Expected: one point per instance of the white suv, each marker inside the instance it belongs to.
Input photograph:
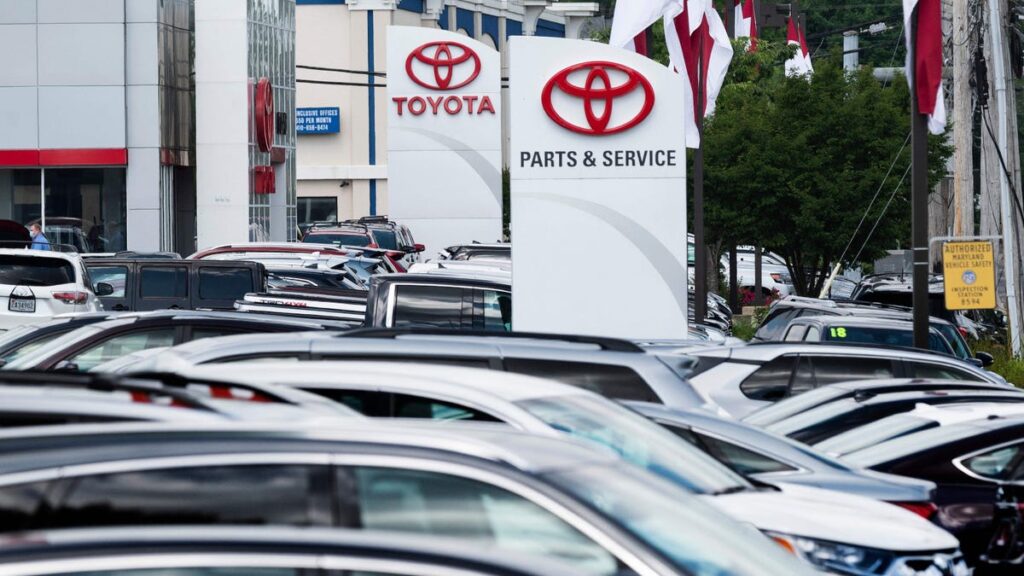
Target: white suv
(36, 285)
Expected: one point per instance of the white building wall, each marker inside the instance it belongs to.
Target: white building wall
(222, 122)
(143, 105)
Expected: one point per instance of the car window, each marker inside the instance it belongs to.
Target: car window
(903, 338)
(955, 340)
(803, 380)
(20, 504)
(998, 464)
(338, 239)
(610, 381)
(385, 239)
(164, 282)
(421, 502)
(741, 459)
(35, 271)
(410, 406)
(200, 332)
(497, 313)
(833, 369)
(249, 494)
(121, 345)
(939, 371)
(813, 334)
(774, 324)
(771, 381)
(417, 305)
(795, 333)
(224, 283)
(116, 276)
(30, 347)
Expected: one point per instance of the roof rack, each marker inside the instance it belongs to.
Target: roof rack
(99, 382)
(219, 390)
(607, 344)
(809, 300)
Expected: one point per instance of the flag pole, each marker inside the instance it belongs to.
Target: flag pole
(700, 275)
(919, 200)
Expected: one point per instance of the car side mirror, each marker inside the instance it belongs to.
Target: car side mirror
(417, 248)
(66, 366)
(104, 289)
(986, 358)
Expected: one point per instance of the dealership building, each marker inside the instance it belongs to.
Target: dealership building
(341, 85)
(125, 125)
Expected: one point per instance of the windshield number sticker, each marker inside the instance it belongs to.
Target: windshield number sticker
(837, 332)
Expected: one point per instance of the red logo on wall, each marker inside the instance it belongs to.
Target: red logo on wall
(264, 115)
(598, 88)
(453, 65)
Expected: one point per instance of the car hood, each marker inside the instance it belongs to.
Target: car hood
(866, 483)
(835, 517)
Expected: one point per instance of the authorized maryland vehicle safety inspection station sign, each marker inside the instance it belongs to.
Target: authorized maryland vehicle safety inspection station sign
(968, 270)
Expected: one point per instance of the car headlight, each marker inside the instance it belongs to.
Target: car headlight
(835, 557)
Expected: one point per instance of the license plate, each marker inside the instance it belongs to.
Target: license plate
(21, 305)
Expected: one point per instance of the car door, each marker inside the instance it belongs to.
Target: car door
(121, 277)
(440, 499)
(162, 286)
(430, 305)
(492, 310)
(938, 370)
(235, 489)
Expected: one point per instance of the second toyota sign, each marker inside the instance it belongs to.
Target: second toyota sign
(598, 184)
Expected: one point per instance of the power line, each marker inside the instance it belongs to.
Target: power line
(884, 210)
(333, 83)
(342, 70)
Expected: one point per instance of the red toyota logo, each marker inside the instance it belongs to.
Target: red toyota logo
(598, 88)
(453, 65)
(264, 113)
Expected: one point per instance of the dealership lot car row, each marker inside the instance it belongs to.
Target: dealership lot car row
(350, 402)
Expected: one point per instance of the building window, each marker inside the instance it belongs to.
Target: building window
(317, 210)
(85, 207)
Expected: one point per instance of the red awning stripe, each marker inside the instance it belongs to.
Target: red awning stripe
(64, 157)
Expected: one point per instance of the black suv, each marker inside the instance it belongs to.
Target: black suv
(153, 284)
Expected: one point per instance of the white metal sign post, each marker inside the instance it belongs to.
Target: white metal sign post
(598, 191)
(444, 136)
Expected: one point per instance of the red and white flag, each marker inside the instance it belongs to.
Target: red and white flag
(746, 23)
(633, 17)
(800, 63)
(697, 36)
(924, 60)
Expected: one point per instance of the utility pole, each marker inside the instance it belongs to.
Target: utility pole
(996, 22)
(851, 50)
(919, 202)
(963, 122)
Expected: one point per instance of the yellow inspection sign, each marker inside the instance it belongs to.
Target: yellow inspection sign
(968, 270)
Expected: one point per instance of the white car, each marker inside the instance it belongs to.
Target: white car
(36, 285)
(774, 273)
(832, 531)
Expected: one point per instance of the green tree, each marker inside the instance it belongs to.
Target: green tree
(791, 164)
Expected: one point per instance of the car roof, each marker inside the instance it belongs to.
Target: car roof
(72, 257)
(902, 446)
(123, 542)
(947, 414)
(871, 322)
(503, 282)
(44, 447)
(483, 386)
(43, 400)
(765, 351)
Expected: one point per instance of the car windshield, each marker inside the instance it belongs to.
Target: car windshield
(637, 440)
(35, 271)
(901, 447)
(338, 239)
(29, 347)
(874, 433)
(903, 338)
(794, 405)
(956, 341)
(30, 359)
(688, 532)
(386, 239)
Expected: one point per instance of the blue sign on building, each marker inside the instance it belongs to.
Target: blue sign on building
(317, 121)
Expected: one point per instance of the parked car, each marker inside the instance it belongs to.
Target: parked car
(457, 301)
(261, 251)
(330, 280)
(852, 330)
(922, 417)
(92, 345)
(793, 516)
(898, 288)
(824, 422)
(266, 550)
(971, 462)
(742, 379)
(775, 276)
(792, 307)
(476, 250)
(862, 389)
(612, 368)
(149, 284)
(341, 234)
(391, 235)
(36, 285)
(775, 459)
(346, 307)
(487, 486)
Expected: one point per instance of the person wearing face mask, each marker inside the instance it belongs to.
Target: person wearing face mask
(39, 241)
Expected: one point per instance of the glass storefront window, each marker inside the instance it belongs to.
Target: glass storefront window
(313, 209)
(85, 207)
